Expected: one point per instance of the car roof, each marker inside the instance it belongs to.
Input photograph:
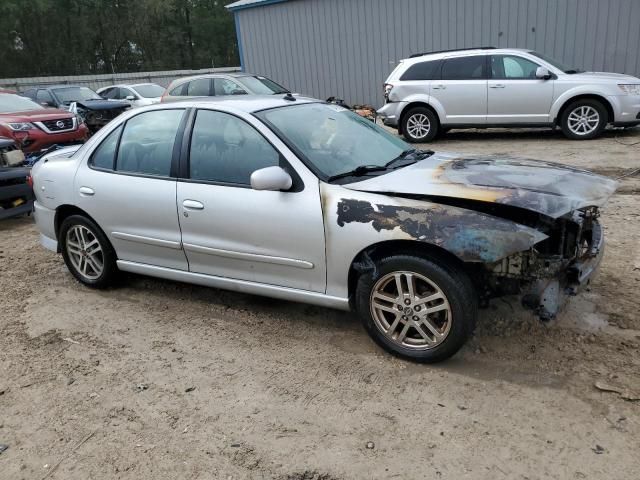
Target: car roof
(245, 103)
(129, 85)
(214, 75)
(461, 53)
(63, 85)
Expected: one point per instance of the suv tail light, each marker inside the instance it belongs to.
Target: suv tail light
(387, 90)
(30, 181)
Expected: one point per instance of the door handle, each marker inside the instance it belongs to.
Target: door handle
(439, 87)
(86, 191)
(497, 85)
(192, 205)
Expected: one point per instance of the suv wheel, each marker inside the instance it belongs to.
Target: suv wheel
(417, 308)
(419, 125)
(584, 120)
(87, 252)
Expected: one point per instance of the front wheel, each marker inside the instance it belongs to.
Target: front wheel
(417, 308)
(584, 120)
(87, 252)
(420, 125)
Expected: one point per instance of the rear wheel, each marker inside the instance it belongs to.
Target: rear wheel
(420, 125)
(417, 308)
(584, 120)
(87, 252)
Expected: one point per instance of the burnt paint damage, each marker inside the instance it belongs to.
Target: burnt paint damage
(546, 188)
(470, 235)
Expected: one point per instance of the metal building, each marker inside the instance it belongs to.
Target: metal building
(346, 48)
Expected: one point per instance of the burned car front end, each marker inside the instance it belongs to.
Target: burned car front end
(552, 269)
(97, 113)
(522, 227)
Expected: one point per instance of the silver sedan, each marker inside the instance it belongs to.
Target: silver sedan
(296, 199)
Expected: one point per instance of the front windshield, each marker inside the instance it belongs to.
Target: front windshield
(10, 103)
(333, 139)
(555, 63)
(150, 90)
(76, 94)
(262, 85)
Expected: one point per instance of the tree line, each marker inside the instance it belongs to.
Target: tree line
(76, 37)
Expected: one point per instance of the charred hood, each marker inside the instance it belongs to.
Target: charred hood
(546, 188)
(101, 104)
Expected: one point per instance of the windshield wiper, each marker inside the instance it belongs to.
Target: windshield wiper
(358, 172)
(410, 152)
(573, 71)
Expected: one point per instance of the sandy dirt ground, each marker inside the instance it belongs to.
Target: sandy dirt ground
(160, 380)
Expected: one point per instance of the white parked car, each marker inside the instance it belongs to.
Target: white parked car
(300, 200)
(137, 95)
(506, 87)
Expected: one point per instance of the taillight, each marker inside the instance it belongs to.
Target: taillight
(30, 181)
(387, 90)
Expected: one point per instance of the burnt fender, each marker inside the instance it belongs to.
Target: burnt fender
(469, 235)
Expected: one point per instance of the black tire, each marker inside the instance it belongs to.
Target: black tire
(109, 271)
(603, 119)
(453, 283)
(416, 114)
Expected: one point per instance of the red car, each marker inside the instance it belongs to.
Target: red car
(34, 127)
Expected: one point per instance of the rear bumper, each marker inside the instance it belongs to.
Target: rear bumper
(390, 113)
(46, 223)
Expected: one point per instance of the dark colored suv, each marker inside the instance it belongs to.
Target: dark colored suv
(91, 107)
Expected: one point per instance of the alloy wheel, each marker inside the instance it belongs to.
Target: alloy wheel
(418, 126)
(85, 252)
(583, 120)
(410, 310)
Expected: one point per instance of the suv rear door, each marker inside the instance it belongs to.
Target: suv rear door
(515, 95)
(462, 90)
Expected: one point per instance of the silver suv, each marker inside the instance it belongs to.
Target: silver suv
(488, 87)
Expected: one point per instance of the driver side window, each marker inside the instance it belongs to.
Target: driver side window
(226, 149)
(509, 67)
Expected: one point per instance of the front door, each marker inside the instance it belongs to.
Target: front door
(127, 188)
(233, 231)
(462, 90)
(515, 94)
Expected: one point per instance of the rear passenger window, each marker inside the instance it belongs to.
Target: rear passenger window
(105, 155)
(147, 143)
(227, 149)
(464, 68)
(423, 71)
(199, 88)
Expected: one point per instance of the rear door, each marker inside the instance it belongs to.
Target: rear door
(462, 90)
(233, 231)
(515, 95)
(128, 186)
